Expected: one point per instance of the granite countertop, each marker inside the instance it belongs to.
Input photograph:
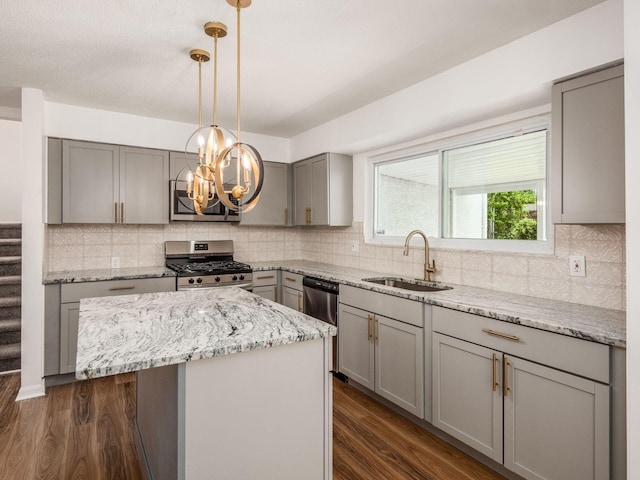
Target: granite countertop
(106, 274)
(596, 324)
(133, 332)
(590, 323)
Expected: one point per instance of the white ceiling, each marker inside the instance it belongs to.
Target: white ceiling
(304, 62)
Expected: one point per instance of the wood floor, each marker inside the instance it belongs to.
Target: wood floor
(85, 431)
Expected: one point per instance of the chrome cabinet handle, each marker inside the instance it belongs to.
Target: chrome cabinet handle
(501, 335)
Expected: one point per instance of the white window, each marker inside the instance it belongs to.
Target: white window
(482, 193)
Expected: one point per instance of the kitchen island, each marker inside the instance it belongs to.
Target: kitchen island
(264, 413)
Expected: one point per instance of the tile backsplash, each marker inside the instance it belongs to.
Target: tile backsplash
(76, 247)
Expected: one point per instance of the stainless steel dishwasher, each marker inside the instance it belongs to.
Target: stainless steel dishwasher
(321, 302)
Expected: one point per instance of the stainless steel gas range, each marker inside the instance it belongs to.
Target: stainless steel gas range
(206, 264)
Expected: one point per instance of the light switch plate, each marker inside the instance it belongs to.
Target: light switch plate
(115, 262)
(577, 266)
(355, 245)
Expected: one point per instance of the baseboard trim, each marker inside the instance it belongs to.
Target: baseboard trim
(31, 391)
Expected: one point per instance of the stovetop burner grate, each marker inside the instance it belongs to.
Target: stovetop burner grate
(213, 267)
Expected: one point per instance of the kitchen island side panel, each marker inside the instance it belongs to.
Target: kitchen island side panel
(262, 415)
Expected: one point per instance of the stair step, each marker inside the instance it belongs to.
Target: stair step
(9, 260)
(10, 302)
(11, 350)
(11, 280)
(10, 241)
(10, 230)
(10, 312)
(10, 266)
(10, 290)
(10, 331)
(10, 325)
(9, 357)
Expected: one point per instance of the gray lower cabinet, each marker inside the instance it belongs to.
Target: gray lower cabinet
(541, 422)
(292, 290)
(322, 190)
(273, 207)
(265, 284)
(111, 184)
(381, 353)
(588, 148)
(292, 298)
(62, 308)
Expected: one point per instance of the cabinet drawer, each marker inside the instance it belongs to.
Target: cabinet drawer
(74, 292)
(292, 280)
(268, 277)
(405, 310)
(588, 359)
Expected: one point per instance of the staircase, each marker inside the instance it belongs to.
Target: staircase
(10, 295)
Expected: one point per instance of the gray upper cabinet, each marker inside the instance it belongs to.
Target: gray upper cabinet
(273, 207)
(588, 148)
(144, 179)
(90, 182)
(323, 190)
(113, 184)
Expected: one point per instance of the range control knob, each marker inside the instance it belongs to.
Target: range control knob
(241, 277)
(199, 280)
(235, 277)
(191, 280)
(217, 279)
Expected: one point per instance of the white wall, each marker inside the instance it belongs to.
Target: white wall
(80, 123)
(508, 79)
(632, 125)
(12, 172)
(32, 244)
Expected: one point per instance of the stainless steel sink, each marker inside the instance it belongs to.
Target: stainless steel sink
(415, 285)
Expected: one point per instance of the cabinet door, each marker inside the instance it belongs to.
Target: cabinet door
(355, 345)
(144, 185)
(69, 315)
(588, 147)
(467, 398)
(272, 208)
(301, 182)
(270, 292)
(90, 182)
(556, 425)
(399, 363)
(319, 190)
(292, 298)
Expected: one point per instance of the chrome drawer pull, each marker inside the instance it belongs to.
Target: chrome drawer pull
(115, 289)
(501, 335)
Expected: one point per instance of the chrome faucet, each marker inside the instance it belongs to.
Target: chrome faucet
(429, 267)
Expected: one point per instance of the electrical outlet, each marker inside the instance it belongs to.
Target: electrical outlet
(577, 267)
(115, 262)
(355, 246)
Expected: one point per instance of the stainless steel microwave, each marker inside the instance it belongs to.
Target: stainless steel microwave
(182, 209)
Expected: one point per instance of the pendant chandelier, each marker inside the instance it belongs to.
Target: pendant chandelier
(220, 153)
(244, 195)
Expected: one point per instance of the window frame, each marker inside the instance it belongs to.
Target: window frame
(471, 135)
